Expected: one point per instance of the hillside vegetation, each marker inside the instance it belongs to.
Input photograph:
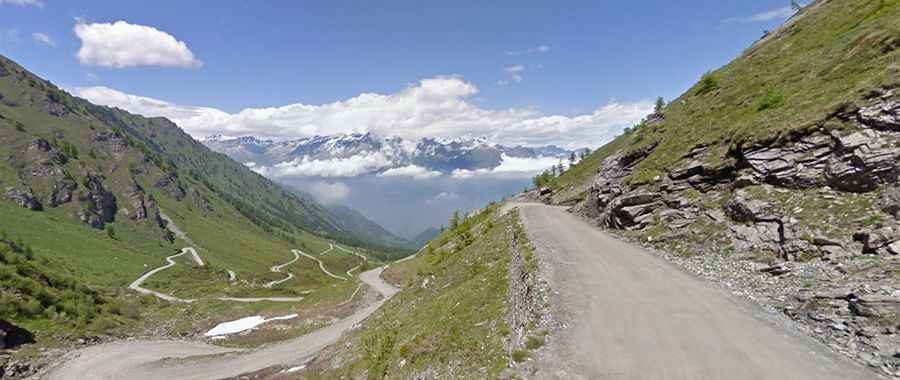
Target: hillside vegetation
(100, 196)
(830, 56)
(452, 318)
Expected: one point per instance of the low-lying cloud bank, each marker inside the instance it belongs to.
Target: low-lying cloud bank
(379, 165)
(434, 107)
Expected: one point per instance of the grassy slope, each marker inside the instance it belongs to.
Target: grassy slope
(247, 236)
(831, 54)
(448, 319)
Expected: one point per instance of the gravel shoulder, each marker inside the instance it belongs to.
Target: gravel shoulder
(629, 314)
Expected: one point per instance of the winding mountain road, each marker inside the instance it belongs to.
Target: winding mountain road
(174, 360)
(136, 285)
(321, 265)
(632, 315)
(278, 268)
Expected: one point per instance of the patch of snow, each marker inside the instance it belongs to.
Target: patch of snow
(243, 324)
(295, 369)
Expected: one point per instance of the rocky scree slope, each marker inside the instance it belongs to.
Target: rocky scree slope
(777, 176)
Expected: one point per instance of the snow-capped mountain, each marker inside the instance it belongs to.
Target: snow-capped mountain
(356, 154)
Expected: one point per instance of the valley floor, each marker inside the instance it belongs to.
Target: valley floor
(631, 315)
(194, 360)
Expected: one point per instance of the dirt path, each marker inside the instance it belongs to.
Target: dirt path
(136, 285)
(633, 315)
(321, 265)
(172, 360)
(277, 269)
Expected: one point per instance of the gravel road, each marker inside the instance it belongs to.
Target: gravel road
(629, 314)
(170, 360)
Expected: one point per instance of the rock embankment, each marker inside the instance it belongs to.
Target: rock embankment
(806, 224)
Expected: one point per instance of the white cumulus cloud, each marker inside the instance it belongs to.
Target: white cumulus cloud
(541, 49)
(412, 171)
(329, 192)
(121, 45)
(435, 107)
(443, 196)
(35, 3)
(43, 39)
(782, 13)
(335, 167)
(510, 167)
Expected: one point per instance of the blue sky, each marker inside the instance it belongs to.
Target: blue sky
(554, 59)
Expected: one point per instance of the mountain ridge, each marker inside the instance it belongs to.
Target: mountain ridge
(432, 154)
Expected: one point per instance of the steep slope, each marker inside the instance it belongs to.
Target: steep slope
(468, 305)
(99, 193)
(777, 175)
(365, 229)
(425, 236)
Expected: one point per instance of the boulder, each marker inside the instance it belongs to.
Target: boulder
(171, 185)
(111, 141)
(800, 164)
(889, 201)
(137, 201)
(875, 242)
(894, 248)
(100, 205)
(62, 192)
(876, 306)
(24, 198)
(884, 114)
(764, 236)
(865, 160)
(12, 336)
(741, 208)
(544, 191)
(622, 211)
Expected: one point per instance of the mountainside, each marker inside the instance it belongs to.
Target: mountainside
(365, 229)
(100, 196)
(776, 175)
(425, 236)
(386, 153)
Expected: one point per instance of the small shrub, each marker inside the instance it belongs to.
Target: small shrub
(772, 99)
(520, 356)
(708, 83)
(534, 342)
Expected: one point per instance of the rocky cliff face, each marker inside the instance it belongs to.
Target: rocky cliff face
(813, 217)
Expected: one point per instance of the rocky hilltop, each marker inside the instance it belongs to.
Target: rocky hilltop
(789, 198)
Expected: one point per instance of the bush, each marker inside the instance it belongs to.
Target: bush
(708, 83)
(520, 356)
(534, 342)
(772, 99)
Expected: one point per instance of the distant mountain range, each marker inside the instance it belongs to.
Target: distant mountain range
(381, 154)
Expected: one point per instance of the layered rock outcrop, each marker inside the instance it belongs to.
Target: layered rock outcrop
(815, 213)
(98, 204)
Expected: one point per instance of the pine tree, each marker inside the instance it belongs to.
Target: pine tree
(660, 104)
(454, 221)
